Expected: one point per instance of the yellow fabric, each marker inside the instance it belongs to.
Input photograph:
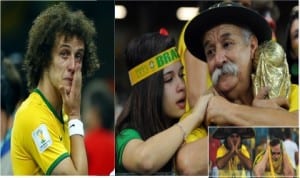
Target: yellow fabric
(293, 98)
(271, 166)
(26, 157)
(153, 65)
(233, 167)
(201, 131)
(181, 48)
(196, 133)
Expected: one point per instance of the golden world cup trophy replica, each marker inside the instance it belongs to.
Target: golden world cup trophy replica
(271, 70)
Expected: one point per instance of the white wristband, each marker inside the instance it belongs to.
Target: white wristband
(75, 127)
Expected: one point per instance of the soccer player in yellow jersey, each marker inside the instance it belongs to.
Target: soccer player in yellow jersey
(47, 135)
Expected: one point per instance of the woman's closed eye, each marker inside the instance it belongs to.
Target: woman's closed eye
(168, 78)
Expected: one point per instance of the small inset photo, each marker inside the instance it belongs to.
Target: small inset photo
(253, 152)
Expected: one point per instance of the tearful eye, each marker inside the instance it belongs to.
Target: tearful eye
(79, 57)
(64, 54)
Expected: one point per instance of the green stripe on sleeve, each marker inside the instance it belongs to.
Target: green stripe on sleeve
(56, 162)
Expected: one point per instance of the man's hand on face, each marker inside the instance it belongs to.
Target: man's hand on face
(72, 100)
(231, 144)
(237, 145)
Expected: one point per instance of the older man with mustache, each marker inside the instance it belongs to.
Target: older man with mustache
(228, 43)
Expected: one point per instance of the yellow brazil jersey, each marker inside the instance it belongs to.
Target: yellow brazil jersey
(40, 138)
(234, 166)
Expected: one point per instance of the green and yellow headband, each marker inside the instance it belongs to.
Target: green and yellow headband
(152, 65)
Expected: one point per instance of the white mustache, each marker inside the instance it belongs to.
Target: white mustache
(228, 68)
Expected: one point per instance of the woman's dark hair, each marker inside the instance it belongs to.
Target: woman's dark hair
(291, 59)
(143, 109)
(54, 22)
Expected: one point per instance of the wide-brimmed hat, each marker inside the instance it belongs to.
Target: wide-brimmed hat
(224, 12)
(222, 133)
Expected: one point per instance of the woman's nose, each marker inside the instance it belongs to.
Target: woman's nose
(181, 84)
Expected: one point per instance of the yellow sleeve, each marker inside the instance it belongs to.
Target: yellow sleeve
(258, 157)
(197, 133)
(46, 147)
(221, 151)
(293, 99)
(46, 141)
(245, 151)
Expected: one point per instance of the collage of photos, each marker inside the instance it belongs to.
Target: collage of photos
(200, 88)
(253, 152)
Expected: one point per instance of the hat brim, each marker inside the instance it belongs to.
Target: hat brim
(226, 14)
(222, 133)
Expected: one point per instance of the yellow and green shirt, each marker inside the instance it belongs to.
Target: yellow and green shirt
(40, 138)
(234, 166)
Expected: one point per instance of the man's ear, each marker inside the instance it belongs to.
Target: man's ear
(253, 45)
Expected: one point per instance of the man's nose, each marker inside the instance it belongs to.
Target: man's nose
(220, 57)
(71, 65)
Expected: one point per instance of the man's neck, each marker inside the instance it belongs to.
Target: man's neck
(51, 94)
(246, 98)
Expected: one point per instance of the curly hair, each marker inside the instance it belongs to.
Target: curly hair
(54, 21)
